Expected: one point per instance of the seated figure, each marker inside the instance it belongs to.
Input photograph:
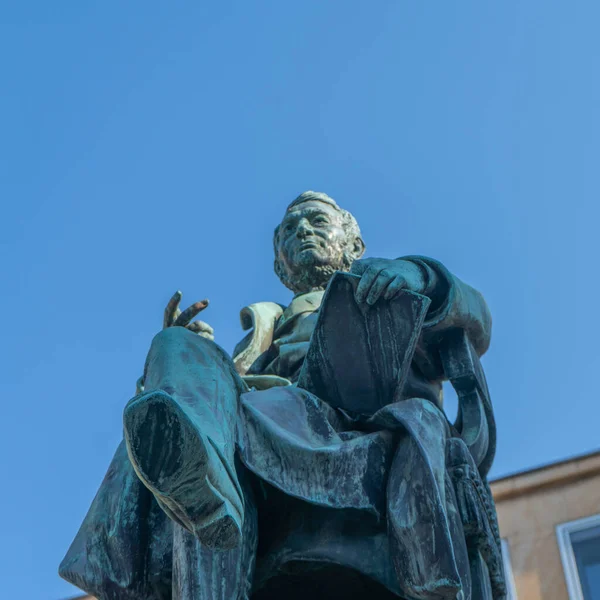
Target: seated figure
(317, 461)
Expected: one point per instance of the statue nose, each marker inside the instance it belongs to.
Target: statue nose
(303, 228)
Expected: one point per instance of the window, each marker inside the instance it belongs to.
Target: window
(579, 543)
(511, 592)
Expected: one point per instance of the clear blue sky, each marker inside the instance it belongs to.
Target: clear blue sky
(148, 147)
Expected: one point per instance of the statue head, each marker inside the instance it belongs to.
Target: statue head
(315, 239)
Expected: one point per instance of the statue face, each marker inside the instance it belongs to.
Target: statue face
(311, 245)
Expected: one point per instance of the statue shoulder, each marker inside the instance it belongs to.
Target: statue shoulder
(259, 320)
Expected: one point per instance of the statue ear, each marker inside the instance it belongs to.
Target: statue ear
(358, 248)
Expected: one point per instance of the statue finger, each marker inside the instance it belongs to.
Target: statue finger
(200, 327)
(189, 313)
(379, 286)
(397, 285)
(367, 279)
(171, 311)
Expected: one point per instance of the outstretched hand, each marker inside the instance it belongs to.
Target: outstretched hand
(174, 317)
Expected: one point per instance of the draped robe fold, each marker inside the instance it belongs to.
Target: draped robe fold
(368, 493)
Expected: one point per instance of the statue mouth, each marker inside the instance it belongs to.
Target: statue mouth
(308, 245)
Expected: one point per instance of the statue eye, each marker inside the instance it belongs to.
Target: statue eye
(320, 221)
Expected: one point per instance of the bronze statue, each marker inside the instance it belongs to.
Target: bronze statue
(317, 461)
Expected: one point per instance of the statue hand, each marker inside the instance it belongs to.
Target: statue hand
(174, 317)
(384, 278)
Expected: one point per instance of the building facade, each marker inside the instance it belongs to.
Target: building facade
(550, 524)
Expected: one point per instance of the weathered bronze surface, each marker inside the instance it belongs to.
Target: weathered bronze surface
(317, 462)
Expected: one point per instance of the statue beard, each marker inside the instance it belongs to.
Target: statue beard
(312, 274)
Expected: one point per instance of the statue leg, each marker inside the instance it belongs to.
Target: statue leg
(426, 535)
(181, 433)
(201, 573)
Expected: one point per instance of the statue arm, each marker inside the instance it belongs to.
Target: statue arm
(454, 305)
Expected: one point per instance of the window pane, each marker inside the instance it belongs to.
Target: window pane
(586, 547)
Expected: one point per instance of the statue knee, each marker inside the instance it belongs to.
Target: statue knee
(180, 339)
(179, 351)
(173, 334)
